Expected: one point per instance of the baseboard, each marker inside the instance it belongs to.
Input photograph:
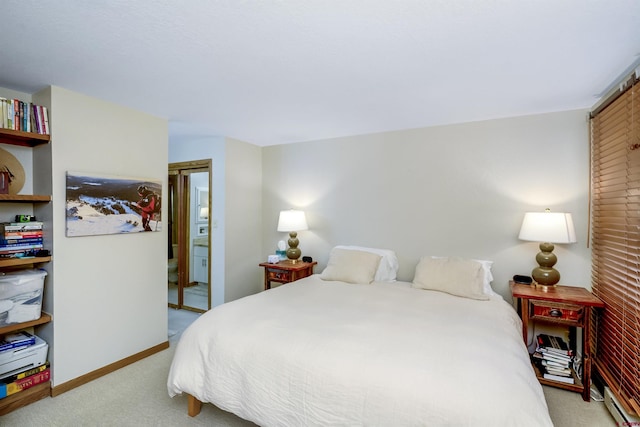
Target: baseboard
(86, 378)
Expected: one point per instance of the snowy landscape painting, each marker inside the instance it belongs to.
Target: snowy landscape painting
(98, 204)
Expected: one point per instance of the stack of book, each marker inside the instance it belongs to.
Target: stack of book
(23, 116)
(26, 378)
(19, 239)
(554, 358)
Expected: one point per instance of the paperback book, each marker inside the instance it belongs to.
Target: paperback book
(7, 389)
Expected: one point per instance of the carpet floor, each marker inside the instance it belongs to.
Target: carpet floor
(136, 395)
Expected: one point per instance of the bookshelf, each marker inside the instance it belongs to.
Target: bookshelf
(39, 391)
(21, 138)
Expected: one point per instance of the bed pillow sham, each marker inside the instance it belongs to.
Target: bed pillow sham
(455, 276)
(387, 268)
(488, 276)
(346, 265)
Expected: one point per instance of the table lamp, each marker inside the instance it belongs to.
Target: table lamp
(548, 228)
(292, 221)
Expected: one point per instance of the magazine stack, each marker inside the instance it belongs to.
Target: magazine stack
(554, 358)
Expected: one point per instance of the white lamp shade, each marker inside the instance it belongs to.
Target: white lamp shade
(549, 227)
(292, 220)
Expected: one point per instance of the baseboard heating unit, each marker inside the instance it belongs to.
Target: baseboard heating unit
(617, 411)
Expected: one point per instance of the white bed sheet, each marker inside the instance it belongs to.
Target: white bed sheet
(318, 353)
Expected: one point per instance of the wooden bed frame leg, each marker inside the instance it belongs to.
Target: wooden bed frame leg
(193, 406)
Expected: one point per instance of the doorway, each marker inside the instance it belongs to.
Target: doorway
(189, 239)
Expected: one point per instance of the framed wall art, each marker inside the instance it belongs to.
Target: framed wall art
(102, 204)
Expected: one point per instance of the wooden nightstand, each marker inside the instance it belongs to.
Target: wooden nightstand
(564, 305)
(286, 272)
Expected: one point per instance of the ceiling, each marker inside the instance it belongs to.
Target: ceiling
(281, 71)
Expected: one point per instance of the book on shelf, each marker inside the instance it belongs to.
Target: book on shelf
(551, 364)
(18, 339)
(565, 372)
(559, 361)
(21, 226)
(29, 234)
(3, 112)
(25, 373)
(560, 378)
(555, 357)
(22, 245)
(12, 249)
(553, 344)
(7, 389)
(21, 241)
(45, 120)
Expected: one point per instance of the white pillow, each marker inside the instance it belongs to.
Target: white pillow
(388, 267)
(455, 276)
(351, 266)
(488, 276)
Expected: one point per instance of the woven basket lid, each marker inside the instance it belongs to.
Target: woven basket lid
(8, 163)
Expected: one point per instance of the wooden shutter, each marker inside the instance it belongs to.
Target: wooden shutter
(615, 139)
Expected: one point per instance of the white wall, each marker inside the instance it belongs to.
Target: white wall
(183, 150)
(110, 292)
(450, 190)
(243, 219)
(236, 195)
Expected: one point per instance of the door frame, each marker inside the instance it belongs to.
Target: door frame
(183, 203)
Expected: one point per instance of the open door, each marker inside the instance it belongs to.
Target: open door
(189, 245)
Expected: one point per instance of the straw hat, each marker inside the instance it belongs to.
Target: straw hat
(8, 163)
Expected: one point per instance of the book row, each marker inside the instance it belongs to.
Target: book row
(23, 116)
(25, 380)
(17, 227)
(20, 238)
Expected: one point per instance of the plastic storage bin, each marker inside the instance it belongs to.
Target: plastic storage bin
(21, 296)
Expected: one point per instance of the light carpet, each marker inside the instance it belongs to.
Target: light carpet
(136, 395)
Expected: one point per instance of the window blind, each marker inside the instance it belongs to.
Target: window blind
(615, 156)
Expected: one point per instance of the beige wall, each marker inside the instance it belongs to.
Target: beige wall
(110, 293)
(451, 190)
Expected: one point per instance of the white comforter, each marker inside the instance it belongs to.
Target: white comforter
(317, 353)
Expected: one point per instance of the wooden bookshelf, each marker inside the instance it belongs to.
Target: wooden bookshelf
(24, 198)
(23, 139)
(39, 391)
(44, 318)
(22, 262)
(25, 397)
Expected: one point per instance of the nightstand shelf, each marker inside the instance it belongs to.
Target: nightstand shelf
(564, 305)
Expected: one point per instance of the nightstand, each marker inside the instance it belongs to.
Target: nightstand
(564, 305)
(286, 272)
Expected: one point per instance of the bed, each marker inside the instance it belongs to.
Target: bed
(321, 351)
